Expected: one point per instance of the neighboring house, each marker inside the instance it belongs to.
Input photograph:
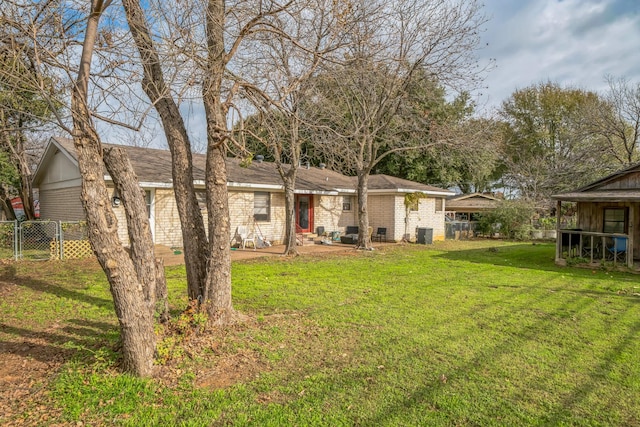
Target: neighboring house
(464, 211)
(608, 212)
(469, 207)
(256, 198)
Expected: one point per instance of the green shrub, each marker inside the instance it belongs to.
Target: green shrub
(548, 223)
(512, 219)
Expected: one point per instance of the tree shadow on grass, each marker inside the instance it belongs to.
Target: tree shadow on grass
(478, 406)
(10, 275)
(57, 343)
(52, 340)
(537, 256)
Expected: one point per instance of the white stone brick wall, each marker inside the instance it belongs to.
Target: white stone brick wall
(241, 213)
(382, 213)
(389, 211)
(328, 213)
(167, 228)
(427, 217)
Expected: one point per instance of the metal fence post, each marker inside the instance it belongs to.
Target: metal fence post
(19, 240)
(61, 240)
(15, 240)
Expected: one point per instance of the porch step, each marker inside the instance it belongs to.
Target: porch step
(305, 237)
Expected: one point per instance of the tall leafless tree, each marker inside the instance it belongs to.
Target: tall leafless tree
(197, 49)
(309, 34)
(49, 36)
(617, 120)
(392, 46)
(24, 109)
(133, 284)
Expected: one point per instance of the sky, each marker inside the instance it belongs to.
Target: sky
(573, 43)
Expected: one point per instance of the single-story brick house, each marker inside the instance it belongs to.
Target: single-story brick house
(324, 198)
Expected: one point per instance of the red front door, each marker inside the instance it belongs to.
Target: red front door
(304, 213)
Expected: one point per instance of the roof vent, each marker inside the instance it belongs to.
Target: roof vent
(259, 158)
(322, 165)
(308, 165)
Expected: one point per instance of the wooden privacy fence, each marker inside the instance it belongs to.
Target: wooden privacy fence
(44, 240)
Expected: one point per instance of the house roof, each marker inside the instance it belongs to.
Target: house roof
(153, 167)
(384, 183)
(472, 202)
(621, 186)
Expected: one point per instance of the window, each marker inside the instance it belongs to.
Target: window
(615, 220)
(261, 206)
(346, 203)
(413, 205)
(439, 202)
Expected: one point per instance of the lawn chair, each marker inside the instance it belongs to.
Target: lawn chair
(381, 233)
(618, 251)
(245, 236)
(299, 236)
(350, 235)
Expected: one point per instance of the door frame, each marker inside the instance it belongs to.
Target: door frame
(298, 198)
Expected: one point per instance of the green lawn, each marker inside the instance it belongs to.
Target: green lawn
(451, 334)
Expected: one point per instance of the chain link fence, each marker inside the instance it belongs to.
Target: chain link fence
(36, 240)
(457, 230)
(44, 240)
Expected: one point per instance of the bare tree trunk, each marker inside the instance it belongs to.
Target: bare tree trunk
(218, 283)
(26, 189)
(289, 179)
(194, 239)
(162, 293)
(5, 204)
(364, 240)
(218, 295)
(134, 313)
(16, 151)
(140, 237)
(290, 215)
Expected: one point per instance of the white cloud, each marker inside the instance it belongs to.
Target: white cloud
(572, 42)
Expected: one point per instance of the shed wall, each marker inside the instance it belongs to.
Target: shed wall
(61, 204)
(625, 182)
(591, 218)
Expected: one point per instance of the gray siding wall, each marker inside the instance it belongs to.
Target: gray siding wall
(61, 204)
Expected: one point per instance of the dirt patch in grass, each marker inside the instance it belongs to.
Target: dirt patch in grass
(7, 289)
(289, 343)
(34, 350)
(26, 366)
(31, 354)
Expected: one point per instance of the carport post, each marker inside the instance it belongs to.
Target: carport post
(558, 235)
(632, 232)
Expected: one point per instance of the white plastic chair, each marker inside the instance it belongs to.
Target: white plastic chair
(246, 236)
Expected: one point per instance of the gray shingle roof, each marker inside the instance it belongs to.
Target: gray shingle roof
(154, 166)
(620, 186)
(386, 182)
